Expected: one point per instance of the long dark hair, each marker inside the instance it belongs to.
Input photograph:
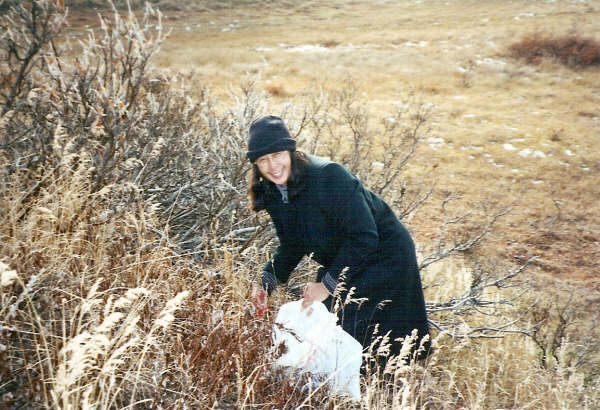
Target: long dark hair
(259, 187)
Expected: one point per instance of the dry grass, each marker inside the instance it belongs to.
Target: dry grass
(106, 325)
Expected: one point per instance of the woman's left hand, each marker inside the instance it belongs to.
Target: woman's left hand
(314, 292)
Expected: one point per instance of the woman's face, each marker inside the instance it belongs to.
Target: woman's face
(276, 167)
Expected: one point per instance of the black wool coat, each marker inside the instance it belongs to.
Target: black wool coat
(342, 225)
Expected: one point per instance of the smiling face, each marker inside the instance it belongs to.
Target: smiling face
(276, 167)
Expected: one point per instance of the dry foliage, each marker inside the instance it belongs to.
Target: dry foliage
(127, 250)
(572, 50)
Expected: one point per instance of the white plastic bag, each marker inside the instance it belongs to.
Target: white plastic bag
(314, 343)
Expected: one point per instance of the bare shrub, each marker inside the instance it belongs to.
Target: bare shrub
(337, 124)
(572, 50)
(26, 30)
(556, 321)
(139, 127)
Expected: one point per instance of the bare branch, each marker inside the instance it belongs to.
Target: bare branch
(443, 251)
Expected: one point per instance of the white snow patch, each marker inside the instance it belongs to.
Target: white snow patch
(307, 48)
(435, 142)
(377, 166)
(536, 182)
(491, 62)
(414, 44)
(317, 48)
(351, 47)
(230, 27)
(569, 153)
(524, 15)
(509, 147)
(261, 49)
(527, 152)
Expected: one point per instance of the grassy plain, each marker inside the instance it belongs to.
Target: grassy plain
(503, 132)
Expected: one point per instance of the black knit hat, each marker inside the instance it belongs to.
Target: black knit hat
(268, 134)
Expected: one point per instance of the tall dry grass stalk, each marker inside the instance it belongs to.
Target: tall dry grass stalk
(84, 299)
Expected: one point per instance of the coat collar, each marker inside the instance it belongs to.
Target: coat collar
(316, 164)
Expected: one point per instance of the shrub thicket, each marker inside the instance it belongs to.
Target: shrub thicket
(571, 50)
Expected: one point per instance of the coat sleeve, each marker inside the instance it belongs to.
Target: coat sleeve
(345, 203)
(285, 259)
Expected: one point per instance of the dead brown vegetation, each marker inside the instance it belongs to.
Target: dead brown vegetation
(572, 50)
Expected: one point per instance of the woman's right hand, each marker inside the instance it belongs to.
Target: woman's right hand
(259, 299)
(314, 292)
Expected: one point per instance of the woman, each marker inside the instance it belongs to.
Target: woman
(320, 209)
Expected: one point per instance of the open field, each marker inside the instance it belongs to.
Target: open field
(503, 131)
